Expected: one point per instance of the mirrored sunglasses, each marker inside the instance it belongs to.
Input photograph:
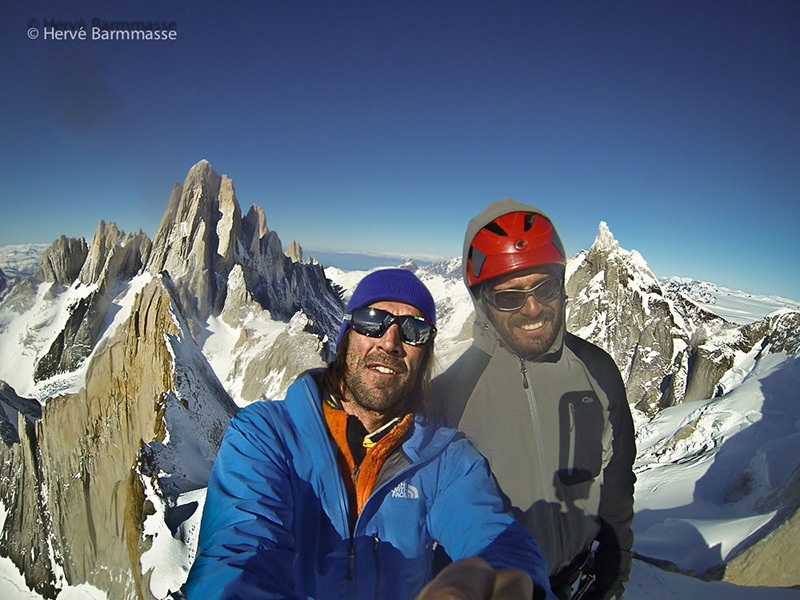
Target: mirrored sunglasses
(509, 300)
(374, 323)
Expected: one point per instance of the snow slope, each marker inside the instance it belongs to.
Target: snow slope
(734, 305)
(688, 509)
(702, 467)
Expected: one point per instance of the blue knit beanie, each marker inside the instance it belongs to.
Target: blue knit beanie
(397, 285)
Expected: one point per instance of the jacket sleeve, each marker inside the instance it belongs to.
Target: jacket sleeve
(246, 546)
(612, 561)
(470, 518)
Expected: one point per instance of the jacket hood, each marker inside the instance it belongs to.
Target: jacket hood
(496, 209)
(485, 335)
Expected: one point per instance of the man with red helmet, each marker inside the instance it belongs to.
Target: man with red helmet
(547, 409)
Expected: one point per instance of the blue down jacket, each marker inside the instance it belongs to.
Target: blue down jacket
(275, 518)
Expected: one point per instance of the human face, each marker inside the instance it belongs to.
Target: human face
(530, 330)
(382, 372)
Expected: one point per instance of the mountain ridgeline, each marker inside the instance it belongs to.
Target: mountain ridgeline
(126, 357)
(130, 412)
(668, 348)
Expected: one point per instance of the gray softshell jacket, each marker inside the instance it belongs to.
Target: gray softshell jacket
(557, 432)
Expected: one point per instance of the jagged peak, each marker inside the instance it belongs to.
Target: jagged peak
(450, 268)
(201, 167)
(105, 230)
(410, 265)
(606, 244)
(295, 252)
(605, 239)
(257, 217)
(202, 175)
(62, 261)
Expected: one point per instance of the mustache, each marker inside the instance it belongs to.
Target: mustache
(546, 314)
(392, 362)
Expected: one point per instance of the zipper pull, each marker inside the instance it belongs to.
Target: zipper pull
(524, 370)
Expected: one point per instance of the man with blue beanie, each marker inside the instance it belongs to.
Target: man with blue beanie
(345, 488)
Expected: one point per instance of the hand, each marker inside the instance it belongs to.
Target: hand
(474, 579)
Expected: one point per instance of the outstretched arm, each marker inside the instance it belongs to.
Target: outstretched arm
(469, 518)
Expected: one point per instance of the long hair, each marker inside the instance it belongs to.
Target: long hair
(420, 401)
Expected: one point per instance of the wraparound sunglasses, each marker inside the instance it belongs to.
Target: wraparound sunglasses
(374, 323)
(509, 300)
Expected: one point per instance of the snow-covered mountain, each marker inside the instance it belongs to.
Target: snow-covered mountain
(117, 342)
(20, 260)
(122, 359)
(734, 305)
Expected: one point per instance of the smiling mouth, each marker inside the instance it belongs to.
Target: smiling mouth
(536, 325)
(383, 369)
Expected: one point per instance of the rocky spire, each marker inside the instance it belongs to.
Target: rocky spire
(12, 408)
(295, 252)
(203, 236)
(229, 226)
(607, 282)
(62, 261)
(186, 244)
(113, 258)
(605, 239)
(114, 255)
(255, 229)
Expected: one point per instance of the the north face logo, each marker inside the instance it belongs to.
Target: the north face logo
(405, 490)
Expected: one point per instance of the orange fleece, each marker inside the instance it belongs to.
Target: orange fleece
(360, 484)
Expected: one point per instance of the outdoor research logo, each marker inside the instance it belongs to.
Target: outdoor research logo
(405, 490)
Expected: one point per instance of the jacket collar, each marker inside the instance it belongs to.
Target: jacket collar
(426, 440)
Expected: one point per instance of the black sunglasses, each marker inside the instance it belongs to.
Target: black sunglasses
(509, 300)
(374, 322)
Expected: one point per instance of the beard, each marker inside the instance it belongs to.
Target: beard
(529, 347)
(375, 392)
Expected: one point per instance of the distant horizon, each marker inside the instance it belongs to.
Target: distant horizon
(365, 261)
(360, 126)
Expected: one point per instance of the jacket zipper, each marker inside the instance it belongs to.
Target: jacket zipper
(524, 370)
(351, 559)
(375, 546)
(534, 412)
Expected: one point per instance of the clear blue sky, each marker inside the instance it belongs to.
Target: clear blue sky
(385, 126)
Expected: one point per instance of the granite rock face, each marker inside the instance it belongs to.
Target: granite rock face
(668, 349)
(203, 236)
(107, 464)
(62, 261)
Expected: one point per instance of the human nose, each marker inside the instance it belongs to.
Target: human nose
(391, 341)
(531, 305)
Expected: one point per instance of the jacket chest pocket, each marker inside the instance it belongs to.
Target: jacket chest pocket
(580, 437)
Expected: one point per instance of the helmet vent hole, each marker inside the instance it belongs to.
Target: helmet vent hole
(496, 229)
(529, 217)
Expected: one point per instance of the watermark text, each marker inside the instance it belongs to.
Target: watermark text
(97, 29)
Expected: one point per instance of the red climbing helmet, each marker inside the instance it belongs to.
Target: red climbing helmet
(512, 242)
